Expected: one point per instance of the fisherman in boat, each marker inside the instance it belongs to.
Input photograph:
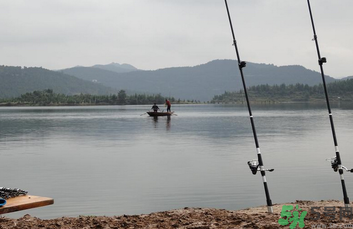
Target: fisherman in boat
(168, 104)
(155, 108)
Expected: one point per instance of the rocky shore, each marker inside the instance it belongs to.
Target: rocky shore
(329, 212)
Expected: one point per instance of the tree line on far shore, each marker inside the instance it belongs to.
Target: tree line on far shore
(338, 91)
(49, 98)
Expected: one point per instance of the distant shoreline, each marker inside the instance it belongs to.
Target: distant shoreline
(76, 104)
(255, 102)
(48, 105)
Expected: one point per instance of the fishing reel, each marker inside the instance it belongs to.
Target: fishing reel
(336, 167)
(322, 60)
(254, 167)
(242, 64)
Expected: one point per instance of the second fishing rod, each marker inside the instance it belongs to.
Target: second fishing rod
(255, 165)
(336, 162)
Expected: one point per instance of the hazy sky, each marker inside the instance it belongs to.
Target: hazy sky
(153, 34)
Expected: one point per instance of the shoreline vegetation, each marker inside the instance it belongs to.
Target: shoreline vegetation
(49, 98)
(341, 91)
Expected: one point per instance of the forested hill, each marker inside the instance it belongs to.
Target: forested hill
(15, 81)
(338, 91)
(200, 82)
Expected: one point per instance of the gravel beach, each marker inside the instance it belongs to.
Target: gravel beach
(328, 211)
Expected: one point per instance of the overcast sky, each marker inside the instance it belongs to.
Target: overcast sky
(153, 34)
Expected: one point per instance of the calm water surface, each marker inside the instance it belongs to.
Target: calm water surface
(115, 160)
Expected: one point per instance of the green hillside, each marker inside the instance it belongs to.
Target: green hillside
(15, 81)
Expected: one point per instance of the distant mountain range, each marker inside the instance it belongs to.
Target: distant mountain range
(115, 67)
(200, 82)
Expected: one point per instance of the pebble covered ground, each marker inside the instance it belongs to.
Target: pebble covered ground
(201, 218)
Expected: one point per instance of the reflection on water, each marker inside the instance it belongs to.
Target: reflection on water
(165, 120)
(111, 160)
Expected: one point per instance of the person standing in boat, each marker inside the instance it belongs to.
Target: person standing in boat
(168, 104)
(155, 108)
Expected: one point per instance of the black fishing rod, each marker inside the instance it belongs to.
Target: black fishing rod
(335, 161)
(255, 165)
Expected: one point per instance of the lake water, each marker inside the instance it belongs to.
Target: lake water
(114, 160)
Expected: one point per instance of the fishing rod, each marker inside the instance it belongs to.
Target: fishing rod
(336, 163)
(254, 165)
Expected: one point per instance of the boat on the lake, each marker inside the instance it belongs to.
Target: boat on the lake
(156, 114)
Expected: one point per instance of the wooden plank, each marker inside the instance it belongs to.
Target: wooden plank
(25, 202)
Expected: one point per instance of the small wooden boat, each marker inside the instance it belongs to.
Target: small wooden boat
(156, 114)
